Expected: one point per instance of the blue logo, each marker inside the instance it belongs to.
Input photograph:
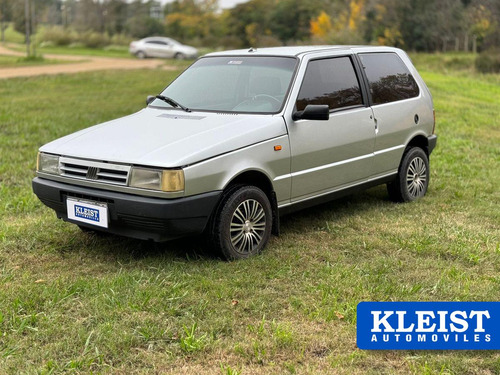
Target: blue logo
(87, 213)
(428, 325)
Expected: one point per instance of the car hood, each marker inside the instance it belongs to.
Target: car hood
(167, 137)
(188, 49)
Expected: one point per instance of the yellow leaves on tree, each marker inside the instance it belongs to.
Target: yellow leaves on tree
(321, 26)
(392, 37)
(348, 19)
(356, 15)
(191, 24)
(481, 21)
(251, 31)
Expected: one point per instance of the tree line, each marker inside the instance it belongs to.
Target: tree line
(420, 25)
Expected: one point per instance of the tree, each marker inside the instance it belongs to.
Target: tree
(290, 19)
(321, 25)
(5, 16)
(244, 14)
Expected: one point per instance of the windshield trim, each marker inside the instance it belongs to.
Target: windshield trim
(283, 104)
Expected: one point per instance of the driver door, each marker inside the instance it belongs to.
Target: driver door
(336, 153)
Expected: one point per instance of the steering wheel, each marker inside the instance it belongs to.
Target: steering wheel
(265, 96)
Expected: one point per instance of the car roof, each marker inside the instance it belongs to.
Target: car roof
(156, 38)
(290, 51)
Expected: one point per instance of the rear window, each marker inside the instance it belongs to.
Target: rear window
(330, 81)
(389, 78)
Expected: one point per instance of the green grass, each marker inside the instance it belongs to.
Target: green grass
(79, 303)
(15, 62)
(77, 50)
(15, 41)
(12, 35)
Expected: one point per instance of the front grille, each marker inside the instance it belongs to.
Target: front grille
(87, 197)
(107, 173)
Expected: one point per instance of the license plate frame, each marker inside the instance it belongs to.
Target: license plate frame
(88, 212)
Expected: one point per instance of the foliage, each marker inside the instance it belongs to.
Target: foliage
(142, 27)
(290, 19)
(58, 35)
(5, 16)
(190, 341)
(321, 26)
(417, 25)
(488, 61)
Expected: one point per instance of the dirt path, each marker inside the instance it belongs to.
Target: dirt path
(91, 63)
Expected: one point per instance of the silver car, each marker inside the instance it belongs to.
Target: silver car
(162, 47)
(242, 137)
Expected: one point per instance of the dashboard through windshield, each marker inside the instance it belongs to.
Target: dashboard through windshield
(257, 84)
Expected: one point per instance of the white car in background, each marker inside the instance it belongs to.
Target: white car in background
(162, 47)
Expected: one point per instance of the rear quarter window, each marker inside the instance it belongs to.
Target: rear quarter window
(388, 77)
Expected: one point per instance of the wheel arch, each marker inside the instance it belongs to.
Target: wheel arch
(418, 140)
(261, 180)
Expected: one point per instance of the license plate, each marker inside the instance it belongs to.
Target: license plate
(88, 212)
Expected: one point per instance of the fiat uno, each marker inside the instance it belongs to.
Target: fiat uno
(242, 137)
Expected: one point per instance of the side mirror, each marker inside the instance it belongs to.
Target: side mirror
(313, 112)
(149, 99)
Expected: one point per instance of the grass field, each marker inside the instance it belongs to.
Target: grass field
(16, 62)
(79, 303)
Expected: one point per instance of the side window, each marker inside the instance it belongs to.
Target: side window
(330, 81)
(389, 78)
(156, 42)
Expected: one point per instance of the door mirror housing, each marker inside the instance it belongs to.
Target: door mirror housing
(149, 99)
(313, 112)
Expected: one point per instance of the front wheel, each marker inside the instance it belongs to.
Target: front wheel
(413, 176)
(242, 225)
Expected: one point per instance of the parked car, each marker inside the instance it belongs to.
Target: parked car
(162, 47)
(242, 137)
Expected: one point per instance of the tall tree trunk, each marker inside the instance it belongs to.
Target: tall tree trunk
(27, 23)
(33, 26)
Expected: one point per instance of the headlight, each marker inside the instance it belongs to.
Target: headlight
(157, 179)
(47, 163)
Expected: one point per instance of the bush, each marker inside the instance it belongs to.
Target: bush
(121, 40)
(91, 39)
(488, 61)
(58, 36)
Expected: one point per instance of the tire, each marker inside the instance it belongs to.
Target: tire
(141, 55)
(413, 177)
(242, 223)
(179, 56)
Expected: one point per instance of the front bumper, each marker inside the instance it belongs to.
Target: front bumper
(134, 216)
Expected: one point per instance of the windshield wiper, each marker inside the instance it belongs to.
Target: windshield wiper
(172, 102)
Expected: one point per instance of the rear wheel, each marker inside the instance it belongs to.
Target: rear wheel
(412, 179)
(242, 225)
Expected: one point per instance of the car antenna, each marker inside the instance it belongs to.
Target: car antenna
(252, 49)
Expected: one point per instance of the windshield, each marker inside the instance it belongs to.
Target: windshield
(233, 84)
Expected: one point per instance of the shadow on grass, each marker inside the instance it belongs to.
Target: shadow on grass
(336, 210)
(195, 249)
